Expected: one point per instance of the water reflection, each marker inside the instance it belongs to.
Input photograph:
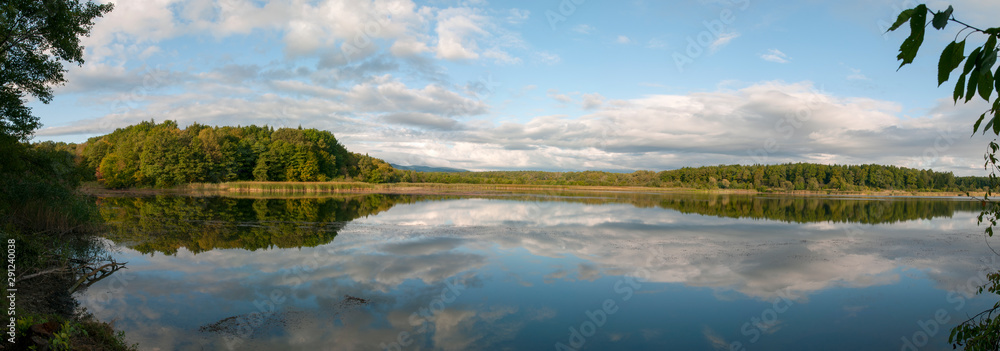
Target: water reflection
(166, 223)
(519, 272)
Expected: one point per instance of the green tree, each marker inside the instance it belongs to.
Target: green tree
(37, 36)
(982, 331)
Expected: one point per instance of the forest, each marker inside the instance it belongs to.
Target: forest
(163, 155)
(791, 176)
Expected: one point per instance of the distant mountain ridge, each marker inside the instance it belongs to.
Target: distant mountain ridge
(428, 169)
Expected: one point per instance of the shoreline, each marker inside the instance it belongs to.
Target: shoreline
(331, 188)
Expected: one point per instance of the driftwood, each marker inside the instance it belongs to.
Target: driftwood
(47, 271)
(89, 275)
(84, 272)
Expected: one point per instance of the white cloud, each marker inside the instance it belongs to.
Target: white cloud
(656, 44)
(670, 131)
(774, 55)
(517, 16)
(592, 101)
(501, 57)
(658, 131)
(723, 40)
(555, 95)
(651, 132)
(548, 58)
(457, 30)
(358, 28)
(408, 46)
(623, 40)
(132, 23)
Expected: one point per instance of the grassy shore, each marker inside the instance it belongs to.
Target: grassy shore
(277, 188)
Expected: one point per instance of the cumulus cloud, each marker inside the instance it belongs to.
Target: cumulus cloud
(457, 31)
(768, 122)
(592, 101)
(421, 120)
(340, 31)
(763, 123)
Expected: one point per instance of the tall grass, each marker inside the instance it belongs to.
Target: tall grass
(46, 219)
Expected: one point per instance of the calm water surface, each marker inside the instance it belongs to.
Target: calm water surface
(542, 272)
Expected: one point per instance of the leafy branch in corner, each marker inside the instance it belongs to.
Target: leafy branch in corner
(981, 331)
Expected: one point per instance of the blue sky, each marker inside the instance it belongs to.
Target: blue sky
(548, 85)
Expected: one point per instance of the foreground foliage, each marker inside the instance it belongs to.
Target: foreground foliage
(982, 331)
(51, 227)
(36, 37)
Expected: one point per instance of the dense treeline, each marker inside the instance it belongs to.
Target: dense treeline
(792, 176)
(162, 155)
(807, 176)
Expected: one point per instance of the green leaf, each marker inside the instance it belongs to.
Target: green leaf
(973, 57)
(919, 18)
(991, 43)
(996, 83)
(970, 90)
(902, 18)
(959, 89)
(989, 59)
(996, 126)
(989, 125)
(975, 127)
(908, 50)
(951, 57)
(941, 18)
(986, 85)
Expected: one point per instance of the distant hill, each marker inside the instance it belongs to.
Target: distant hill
(427, 169)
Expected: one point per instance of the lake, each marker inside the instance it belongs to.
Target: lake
(552, 271)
